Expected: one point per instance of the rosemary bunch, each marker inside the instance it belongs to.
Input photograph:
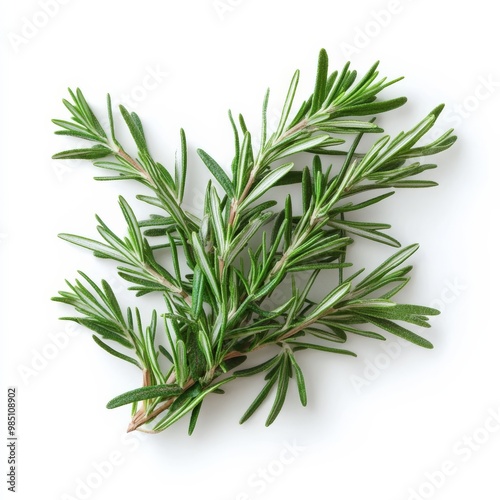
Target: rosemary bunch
(241, 248)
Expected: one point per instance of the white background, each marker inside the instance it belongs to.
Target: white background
(376, 427)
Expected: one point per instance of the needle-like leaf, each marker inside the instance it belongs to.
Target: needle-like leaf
(232, 282)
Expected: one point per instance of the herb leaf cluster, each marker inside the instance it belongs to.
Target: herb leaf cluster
(240, 250)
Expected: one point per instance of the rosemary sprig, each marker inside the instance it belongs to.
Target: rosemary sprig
(222, 309)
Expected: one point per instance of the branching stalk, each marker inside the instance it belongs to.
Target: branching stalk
(241, 275)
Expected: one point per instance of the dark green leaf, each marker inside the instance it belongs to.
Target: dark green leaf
(133, 226)
(321, 78)
(135, 128)
(98, 326)
(196, 360)
(80, 135)
(305, 345)
(112, 302)
(263, 139)
(365, 229)
(398, 330)
(288, 103)
(197, 293)
(205, 347)
(166, 353)
(218, 172)
(87, 112)
(194, 417)
(230, 364)
(301, 385)
(267, 183)
(116, 353)
(181, 362)
(188, 395)
(181, 410)
(266, 365)
(205, 266)
(374, 108)
(283, 379)
(181, 168)
(93, 153)
(260, 398)
(150, 392)
(292, 177)
(391, 263)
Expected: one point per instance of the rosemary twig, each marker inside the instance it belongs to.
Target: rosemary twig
(224, 307)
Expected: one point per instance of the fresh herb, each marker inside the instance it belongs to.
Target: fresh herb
(240, 250)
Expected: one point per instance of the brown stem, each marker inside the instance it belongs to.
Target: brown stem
(302, 124)
(236, 203)
(297, 329)
(125, 156)
(146, 377)
(234, 354)
(232, 213)
(167, 284)
(141, 417)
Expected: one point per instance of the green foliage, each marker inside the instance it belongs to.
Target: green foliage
(240, 250)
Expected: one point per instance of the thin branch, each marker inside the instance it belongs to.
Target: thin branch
(125, 156)
(167, 284)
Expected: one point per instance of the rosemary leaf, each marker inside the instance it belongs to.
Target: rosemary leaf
(242, 277)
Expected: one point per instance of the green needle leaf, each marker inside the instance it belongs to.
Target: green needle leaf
(194, 418)
(391, 263)
(142, 393)
(189, 405)
(241, 268)
(374, 108)
(205, 266)
(115, 353)
(267, 183)
(98, 248)
(288, 103)
(92, 153)
(267, 365)
(331, 299)
(133, 225)
(218, 172)
(283, 379)
(197, 294)
(398, 330)
(301, 385)
(260, 398)
(135, 127)
(321, 77)
(307, 345)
